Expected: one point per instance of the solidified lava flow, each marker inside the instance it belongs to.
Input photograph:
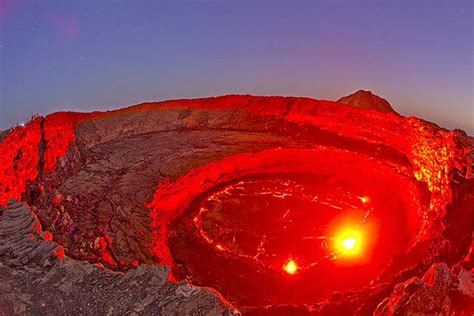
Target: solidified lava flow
(270, 201)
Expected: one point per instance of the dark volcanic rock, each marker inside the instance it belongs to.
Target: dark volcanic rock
(429, 294)
(20, 245)
(34, 281)
(367, 100)
(108, 194)
(4, 134)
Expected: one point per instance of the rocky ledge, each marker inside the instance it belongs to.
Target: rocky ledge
(37, 279)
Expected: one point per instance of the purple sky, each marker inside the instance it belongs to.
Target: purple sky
(96, 55)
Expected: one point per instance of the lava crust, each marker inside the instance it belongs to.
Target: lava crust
(282, 205)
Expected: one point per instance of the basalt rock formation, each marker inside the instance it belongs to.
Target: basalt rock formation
(37, 279)
(197, 207)
(367, 100)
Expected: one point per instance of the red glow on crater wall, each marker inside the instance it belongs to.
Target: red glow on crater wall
(319, 214)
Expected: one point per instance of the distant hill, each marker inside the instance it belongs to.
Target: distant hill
(367, 100)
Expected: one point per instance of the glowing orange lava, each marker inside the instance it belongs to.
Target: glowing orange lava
(364, 199)
(290, 267)
(348, 242)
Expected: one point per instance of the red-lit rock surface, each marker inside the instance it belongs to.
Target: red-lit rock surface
(19, 160)
(121, 188)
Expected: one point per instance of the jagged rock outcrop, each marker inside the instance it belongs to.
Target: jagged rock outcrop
(4, 134)
(430, 294)
(367, 100)
(36, 279)
(20, 245)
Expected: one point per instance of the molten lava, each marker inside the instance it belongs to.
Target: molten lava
(308, 224)
(348, 242)
(276, 217)
(290, 267)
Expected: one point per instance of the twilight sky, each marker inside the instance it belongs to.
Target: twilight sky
(97, 55)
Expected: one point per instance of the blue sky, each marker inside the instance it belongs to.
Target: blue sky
(96, 55)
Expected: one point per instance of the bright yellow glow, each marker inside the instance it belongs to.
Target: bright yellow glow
(290, 267)
(364, 199)
(348, 242)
